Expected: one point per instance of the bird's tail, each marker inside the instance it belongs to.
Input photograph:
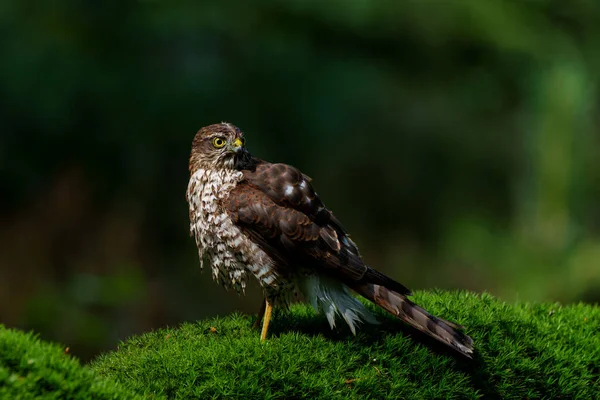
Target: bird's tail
(400, 306)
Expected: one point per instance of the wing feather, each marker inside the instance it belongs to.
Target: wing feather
(276, 206)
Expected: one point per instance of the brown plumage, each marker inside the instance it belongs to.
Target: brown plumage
(251, 216)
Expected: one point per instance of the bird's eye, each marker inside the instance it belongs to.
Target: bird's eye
(219, 142)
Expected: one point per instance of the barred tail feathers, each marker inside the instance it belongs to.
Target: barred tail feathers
(400, 306)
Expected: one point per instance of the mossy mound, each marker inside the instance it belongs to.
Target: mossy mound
(523, 351)
(31, 369)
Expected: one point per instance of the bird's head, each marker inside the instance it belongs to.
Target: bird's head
(219, 146)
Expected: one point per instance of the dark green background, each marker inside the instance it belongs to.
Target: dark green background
(457, 141)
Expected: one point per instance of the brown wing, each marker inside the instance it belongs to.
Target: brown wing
(278, 208)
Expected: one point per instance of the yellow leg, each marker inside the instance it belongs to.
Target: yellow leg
(267, 319)
(261, 314)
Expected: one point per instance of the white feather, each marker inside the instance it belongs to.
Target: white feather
(333, 298)
(289, 189)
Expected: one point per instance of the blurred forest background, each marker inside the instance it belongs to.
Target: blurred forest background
(456, 140)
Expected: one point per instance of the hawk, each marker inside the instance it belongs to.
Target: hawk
(250, 217)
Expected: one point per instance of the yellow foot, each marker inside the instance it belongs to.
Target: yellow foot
(267, 319)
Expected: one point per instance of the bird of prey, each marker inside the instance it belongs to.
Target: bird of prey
(250, 217)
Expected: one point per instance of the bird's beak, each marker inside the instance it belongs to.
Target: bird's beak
(236, 147)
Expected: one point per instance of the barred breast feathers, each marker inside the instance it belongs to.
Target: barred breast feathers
(220, 243)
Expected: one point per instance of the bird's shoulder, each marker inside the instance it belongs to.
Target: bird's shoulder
(288, 187)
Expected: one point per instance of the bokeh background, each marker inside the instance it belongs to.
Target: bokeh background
(456, 140)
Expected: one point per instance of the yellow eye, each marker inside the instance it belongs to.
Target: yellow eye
(219, 142)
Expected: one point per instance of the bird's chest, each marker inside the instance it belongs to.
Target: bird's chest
(209, 221)
(220, 242)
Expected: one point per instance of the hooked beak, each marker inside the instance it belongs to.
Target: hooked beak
(236, 147)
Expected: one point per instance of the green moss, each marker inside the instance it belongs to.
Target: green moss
(31, 368)
(523, 351)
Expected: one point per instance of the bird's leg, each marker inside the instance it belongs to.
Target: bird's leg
(261, 314)
(267, 319)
